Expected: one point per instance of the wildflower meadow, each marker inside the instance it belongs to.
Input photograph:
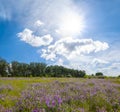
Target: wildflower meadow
(59, 95)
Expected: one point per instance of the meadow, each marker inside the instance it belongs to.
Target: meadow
(59, 95)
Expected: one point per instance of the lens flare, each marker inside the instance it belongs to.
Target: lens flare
(71, 24)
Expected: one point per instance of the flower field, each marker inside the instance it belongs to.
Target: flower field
(59, 95)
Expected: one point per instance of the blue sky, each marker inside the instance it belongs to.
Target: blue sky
(80, 34)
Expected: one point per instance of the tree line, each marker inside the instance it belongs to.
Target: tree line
(35, 69)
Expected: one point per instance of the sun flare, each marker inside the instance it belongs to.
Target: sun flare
(71, 24)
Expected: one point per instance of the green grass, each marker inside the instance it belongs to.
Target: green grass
(20, 84)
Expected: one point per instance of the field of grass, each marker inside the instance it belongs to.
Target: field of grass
(59, 95)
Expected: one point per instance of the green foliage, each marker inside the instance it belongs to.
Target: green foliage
(3, 67)
(69, 75)
(99, 74)
(35, 69)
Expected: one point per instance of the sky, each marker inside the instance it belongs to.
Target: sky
(79, 34)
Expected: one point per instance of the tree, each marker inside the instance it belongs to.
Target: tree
(15, 68)
(3, 67)
(99, 74)
(37, 69)
(81, 73)
(50, 71)
(23, 69)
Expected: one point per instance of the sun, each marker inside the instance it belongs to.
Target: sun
(71, 24)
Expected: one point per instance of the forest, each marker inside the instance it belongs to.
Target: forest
(36, 69)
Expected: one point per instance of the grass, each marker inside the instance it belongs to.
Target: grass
(20, 84)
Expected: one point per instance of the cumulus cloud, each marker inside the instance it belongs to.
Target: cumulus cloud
(99, 61)
(35, 41)
(70, 48)
(97, 64)
(52, 20)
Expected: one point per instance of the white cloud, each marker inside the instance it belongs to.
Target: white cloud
(39, 23)
(77, 53)
(51, 56)
(99, 61)
(71, 48)
(112, 69)
(115, 66)
(112, 55)
(53, 19)
(35, 41)
(59, 62)
(4, 14)
(45, 11)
